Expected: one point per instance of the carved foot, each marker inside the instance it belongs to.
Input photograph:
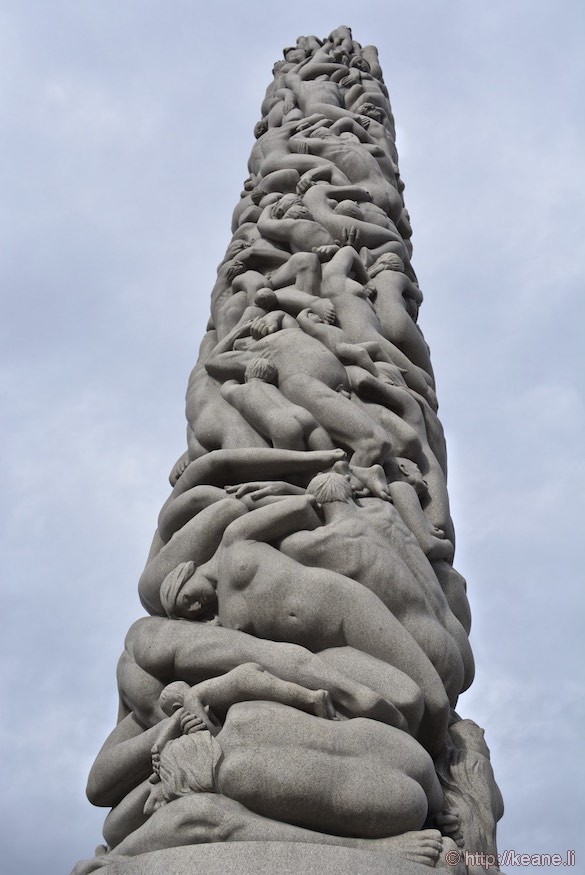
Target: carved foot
(325, 309)
(423, 846)
(373, 479)
(449, 824)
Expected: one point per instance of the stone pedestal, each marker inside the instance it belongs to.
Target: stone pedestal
(266, 858)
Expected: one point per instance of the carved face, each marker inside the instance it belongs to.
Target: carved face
(360, 64)
(196, 595)
(285, 203)
(260, 128)
(412, 474)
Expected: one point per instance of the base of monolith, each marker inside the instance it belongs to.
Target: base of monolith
(266, 858)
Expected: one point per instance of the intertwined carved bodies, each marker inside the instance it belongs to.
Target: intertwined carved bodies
(374, 547)
(345, 602)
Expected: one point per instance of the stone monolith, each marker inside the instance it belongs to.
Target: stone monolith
(288, 704)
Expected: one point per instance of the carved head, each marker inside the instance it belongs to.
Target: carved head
(371, 111)
(412, 474)
(187, 591)
(261, 369)
(331, 487)
(260, 128)
(298, 211)
(340, 34)
(294, 54)
(285, 203)
(387, 261)
(266, 299)
(278, 67)
(173, 697)
(311, 316)
(256, 194)
(360, 64)
(188, 764)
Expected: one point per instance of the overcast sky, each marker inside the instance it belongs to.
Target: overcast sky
(127, 125)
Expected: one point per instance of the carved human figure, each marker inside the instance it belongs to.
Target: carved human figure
(314, 83)
(214, 424)
(285, 425)
(311, 376)
(431, 495)
(396, 304)
(342, 38)
(193, 815)
(308, 637)
(193, 519)
(374, 548)
(248, 251)
(389, 388)
(221, 467)
(269, 756)
(157, 648)
(471, 792)
(313, 89)
(210, 817)
(354, 159)
(335, 339)
(272, 149)
(359, 86)
(293, 287)
(370, 53)
(267, 594)
(119, 777)
(322, 200)
(345, 283)
(196, 541)
(288, 220)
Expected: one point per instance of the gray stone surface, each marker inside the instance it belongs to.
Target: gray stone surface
(266, 858)
(289, 704)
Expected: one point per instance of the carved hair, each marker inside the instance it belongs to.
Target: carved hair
(387, 261)
(330, 487)
(188, 765)
(285, 203)
(172, 585)
(266, 299)
(260, 128)
(360, 63)
(372, 111)
(261, 369)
